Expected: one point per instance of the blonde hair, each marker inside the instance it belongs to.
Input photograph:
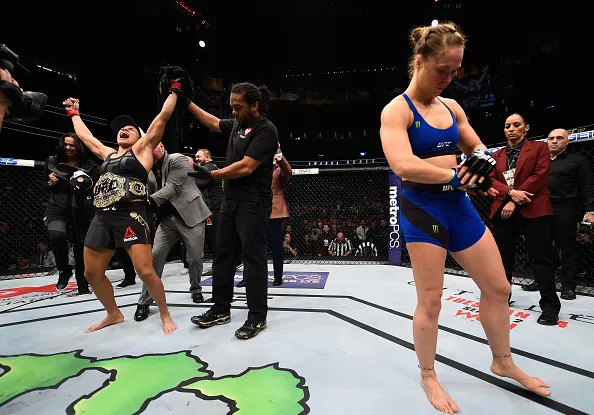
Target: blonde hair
(430, 41)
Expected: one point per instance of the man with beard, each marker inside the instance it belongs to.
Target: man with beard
(246, 207)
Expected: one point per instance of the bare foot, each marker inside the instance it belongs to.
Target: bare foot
(107, 321)
(437, 396)
(514, 372)
(168, 325)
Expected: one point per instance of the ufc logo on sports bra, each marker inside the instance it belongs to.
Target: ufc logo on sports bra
(444, 144)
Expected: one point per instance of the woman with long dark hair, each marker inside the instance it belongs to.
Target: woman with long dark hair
(69, 207)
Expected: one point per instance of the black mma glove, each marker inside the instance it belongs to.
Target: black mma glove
(484, 186)
(151, 202)
(67, 168)
(479, 163)
(81, 180)
(200, 172)
(177, 87)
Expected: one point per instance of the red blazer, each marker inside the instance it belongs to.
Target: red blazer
(532, 171)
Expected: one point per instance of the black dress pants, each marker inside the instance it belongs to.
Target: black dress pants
(538, 237)
(242, 229)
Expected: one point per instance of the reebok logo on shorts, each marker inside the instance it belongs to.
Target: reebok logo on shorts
(129, 235)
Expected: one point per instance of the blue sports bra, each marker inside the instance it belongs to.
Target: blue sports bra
(427, 141)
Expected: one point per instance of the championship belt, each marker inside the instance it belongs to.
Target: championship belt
(111, 188)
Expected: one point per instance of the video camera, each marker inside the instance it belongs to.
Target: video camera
(24, 105)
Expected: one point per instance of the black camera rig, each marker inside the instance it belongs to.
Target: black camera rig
(24, 105)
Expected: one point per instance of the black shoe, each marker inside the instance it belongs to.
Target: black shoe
(197, 298)
(207, 273)
(250, 329)
(531, 287)
(277, 283)
(63, 278)
(84, 291)
(125, 284)
(241, 283)
(142, 312)
(568, 294)
(548, 319)
(210, 318)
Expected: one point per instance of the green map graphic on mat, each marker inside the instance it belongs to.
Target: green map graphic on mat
(263, 390)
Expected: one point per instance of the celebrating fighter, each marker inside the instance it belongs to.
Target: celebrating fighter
(120, 199)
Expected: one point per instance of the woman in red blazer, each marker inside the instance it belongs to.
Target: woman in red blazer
(523, 204)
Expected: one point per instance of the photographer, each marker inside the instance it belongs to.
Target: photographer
(15, 103)
(572, 189)
(5, 76)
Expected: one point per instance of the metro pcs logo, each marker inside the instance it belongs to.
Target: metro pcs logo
(394, 225)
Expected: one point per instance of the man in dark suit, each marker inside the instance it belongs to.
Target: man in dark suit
(181, 214)
(520, 177)
(212, 193)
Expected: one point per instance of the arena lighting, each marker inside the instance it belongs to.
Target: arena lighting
(434, 22)
(202, 43)
(69, 75)
(363, 153)
(188, 9)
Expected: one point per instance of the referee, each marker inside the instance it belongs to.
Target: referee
(246, 207)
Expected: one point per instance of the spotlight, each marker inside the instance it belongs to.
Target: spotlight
(202, 43)
(434, 22)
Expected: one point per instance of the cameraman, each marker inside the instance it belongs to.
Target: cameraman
(572, 188)
(4, 102)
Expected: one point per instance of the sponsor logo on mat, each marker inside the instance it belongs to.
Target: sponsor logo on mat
(290, 279)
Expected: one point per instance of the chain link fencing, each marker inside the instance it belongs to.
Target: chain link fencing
(25, 249)
(339, 213)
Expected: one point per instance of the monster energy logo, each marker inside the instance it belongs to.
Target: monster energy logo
(435, 228)
(418, 124)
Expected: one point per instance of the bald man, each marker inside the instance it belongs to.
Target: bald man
(572, 193)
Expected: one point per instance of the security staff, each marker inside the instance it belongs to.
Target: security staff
(572, 191)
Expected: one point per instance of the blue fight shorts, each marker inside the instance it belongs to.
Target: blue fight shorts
(439, 214)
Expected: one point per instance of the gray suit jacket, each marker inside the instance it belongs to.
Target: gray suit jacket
(179, 189)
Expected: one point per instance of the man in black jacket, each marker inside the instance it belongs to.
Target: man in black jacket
(571, 184)
(212, 193)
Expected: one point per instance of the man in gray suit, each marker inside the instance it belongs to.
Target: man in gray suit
(182, 214)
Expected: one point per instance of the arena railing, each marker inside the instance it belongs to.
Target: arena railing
(359, 198)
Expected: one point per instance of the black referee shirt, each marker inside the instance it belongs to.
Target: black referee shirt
(258, 140)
